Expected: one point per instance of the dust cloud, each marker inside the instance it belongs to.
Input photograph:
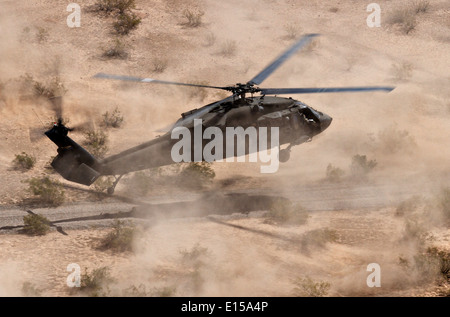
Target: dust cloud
(352, 222)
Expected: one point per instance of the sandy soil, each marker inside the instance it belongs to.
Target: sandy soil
(405, 131)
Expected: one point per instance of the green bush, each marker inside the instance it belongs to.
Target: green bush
(35, 225)
(24, 161)
(49, 191)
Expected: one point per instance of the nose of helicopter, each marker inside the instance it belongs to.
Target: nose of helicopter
(325, 121)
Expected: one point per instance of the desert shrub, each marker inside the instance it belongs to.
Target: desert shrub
(333, 9)
(318, 238)
(283, 211)
(95, 283)
(311, 47)
(210, 39)
(193, 255)
(49, 90)
(96, 142)
(408, 206)
(48, 167)
(24, 161)
(115, 50)
(113, 6)
(402, 71)
(193, 259)
(421, 6)
(444, 202)
(443, 259)
(141, 291)
(292, 31)
(228, 48)
(30, 290)
(197, 174)
(393, 140)
(166, 291)
(404, 19)
(41, 34)
(193, 18)
(120, 239)
(199, 93)
(334, 174)
(140, 183)
(35, 225)
(159, 65)
(113, 119)
(361, 166)
(49, 191)
(126, 22)
(306, 287)
(103, 183)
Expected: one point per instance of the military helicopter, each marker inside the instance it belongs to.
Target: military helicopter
(248, 106)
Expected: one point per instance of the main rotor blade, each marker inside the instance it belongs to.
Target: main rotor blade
(284, 91)
(266, 72)
(155, 81)
(187, 120)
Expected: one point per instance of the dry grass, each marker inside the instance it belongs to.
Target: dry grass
(193, 18)
(159, 65)
(306, 287)
(402, 71)
(404, 18)
(292, 31)
(116, 50)
(24, 162)
(228, 48)
(210, 39)
(421, 6)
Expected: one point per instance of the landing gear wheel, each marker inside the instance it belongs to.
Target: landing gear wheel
(284, 155)
(110, 190)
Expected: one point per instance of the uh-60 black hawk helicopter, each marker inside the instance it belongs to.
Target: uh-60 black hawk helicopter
(297, 123)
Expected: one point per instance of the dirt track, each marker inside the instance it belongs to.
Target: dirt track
(405, 131)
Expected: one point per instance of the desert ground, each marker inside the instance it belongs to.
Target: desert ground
(220, 239)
